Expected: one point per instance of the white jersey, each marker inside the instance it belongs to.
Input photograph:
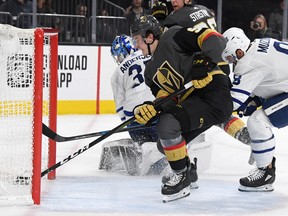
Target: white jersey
(263, 71)
(128, 85)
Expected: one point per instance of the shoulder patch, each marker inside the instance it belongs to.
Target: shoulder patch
(206, 34)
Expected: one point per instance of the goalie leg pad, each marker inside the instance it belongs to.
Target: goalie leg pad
(143, 135)
(121, 155)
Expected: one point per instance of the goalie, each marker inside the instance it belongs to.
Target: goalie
(129, 90)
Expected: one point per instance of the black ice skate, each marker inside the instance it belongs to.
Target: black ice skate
(192, 171)
(260, 180)
(177, 187)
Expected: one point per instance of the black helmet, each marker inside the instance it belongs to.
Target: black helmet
(146, 24)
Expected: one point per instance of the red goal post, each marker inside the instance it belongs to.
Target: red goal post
(28, 97)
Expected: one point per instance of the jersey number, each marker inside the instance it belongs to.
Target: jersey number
(138, 78)
(210, 23)
(281, 47)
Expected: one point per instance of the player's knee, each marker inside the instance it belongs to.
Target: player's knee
(168, 127)
(258, 125)
(182, 116)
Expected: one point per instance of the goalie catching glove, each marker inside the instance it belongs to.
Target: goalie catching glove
(249, 106)
(145, 113)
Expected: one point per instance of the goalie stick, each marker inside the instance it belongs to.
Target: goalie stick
(58, 138)
(114, 130)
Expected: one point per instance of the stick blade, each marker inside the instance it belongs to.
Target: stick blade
(51, 134)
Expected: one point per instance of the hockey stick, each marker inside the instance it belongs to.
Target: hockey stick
(109, 133)
(58, 138)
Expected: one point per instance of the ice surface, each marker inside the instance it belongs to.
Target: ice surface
(81, 189)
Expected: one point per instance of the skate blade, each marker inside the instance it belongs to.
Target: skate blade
(194, 185)
(185, 192)
(264, 188)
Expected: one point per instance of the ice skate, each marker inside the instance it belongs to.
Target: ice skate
(192, 169)
(177, 187)
(259, 180)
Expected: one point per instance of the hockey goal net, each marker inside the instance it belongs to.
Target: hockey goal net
(28, 86)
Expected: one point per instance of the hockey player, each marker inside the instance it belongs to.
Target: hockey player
(260, 78)
(128, 84)
(181, 55)
(130, 90)
(188, 14)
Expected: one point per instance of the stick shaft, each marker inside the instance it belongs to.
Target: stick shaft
(109, 133)
(86, 147)
(58, 138)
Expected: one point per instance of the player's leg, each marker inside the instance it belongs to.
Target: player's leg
(273, 114)
(236, 128)
(191, 138)
(174, 147)
(263, 147)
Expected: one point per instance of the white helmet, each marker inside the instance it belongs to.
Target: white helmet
(236, 39)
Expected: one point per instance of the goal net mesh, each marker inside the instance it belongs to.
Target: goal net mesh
(17, 92)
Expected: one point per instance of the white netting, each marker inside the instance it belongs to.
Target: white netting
(16, 112)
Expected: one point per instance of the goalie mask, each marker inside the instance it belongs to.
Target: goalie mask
(236, 39)
(121, 47)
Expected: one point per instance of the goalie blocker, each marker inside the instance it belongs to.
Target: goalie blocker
(127, 156)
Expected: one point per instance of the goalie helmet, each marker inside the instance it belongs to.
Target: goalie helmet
(236, 39)
(121, 47)
(146, 24)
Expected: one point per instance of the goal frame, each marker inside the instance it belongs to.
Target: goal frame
(38, 106)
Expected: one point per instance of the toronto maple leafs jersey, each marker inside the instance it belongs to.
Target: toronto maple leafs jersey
(262, 71)
(128, 85)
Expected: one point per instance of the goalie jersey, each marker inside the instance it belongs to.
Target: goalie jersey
(128, 85)
(262, 71)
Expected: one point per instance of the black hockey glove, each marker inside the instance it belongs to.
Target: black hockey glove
(249, 106)
(202, 64)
